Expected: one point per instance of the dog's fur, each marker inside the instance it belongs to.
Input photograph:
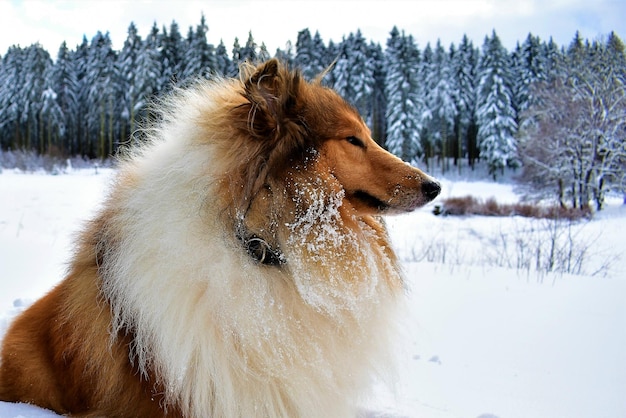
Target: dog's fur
(238, 267)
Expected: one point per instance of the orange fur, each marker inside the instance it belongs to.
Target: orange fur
(58, 355)
(239, 266)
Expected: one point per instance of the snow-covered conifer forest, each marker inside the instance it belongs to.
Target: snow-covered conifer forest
(555, 112)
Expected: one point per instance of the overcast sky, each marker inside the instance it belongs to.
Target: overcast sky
(23, 22)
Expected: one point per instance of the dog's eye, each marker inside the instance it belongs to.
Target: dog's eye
(355, 141)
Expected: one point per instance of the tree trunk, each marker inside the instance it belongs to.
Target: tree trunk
(586, 195)
(599, 195)
(459, 148)
(111, 129)
(444, 146)
(101, 134)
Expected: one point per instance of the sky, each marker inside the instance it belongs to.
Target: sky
(274, 22)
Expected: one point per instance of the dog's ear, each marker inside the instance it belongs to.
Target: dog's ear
(263, 87)
(272, 90)
(274, 120)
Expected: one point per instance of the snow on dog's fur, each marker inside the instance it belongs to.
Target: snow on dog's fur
(238, 267)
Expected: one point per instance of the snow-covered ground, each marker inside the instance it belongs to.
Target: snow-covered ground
(487, 335)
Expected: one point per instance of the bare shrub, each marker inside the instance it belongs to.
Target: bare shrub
(468, 205)
(526, 210)
(456, 206)
(533, 247)
(490, 208)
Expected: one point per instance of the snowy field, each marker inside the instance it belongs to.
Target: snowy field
(489, 334)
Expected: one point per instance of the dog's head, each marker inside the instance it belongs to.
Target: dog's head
(291, 122)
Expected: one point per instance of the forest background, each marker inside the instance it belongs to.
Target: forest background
(555, 113)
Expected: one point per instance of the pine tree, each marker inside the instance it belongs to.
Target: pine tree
(464, 70)
(79, 58)
(378, 98)
(403, 102)
(199, 57)
(100, 82)
(237, 59)
(427, 80)
(172, 48)
(496, 115)
(223, 64)
(128, 66)
(53, 122)
(616, 50)
(36, 63)
(552, 54)
(319, 57)
(576, 49)
(249, 52)
(62, 85)
(441, 102)
(264, 54)
(332, 55)
(529, 66)
(11, 102)
(304, 54)
(149, 65)
(354, 73)
(286, 55)
(311, 54)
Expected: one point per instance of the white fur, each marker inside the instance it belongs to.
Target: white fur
(229, 337)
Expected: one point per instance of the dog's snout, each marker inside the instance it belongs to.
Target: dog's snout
(431, 189)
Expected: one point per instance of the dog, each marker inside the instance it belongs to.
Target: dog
(239, 266)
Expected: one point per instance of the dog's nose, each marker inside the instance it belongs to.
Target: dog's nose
(431, 189)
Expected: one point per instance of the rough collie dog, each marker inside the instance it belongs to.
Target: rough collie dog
(238, 267)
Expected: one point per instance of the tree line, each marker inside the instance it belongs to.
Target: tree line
(433, 105)
(572, 136)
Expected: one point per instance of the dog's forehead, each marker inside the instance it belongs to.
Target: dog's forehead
(335, 116)
(352, 124)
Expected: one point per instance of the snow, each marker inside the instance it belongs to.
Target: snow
(39, 216)
(482, 340)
